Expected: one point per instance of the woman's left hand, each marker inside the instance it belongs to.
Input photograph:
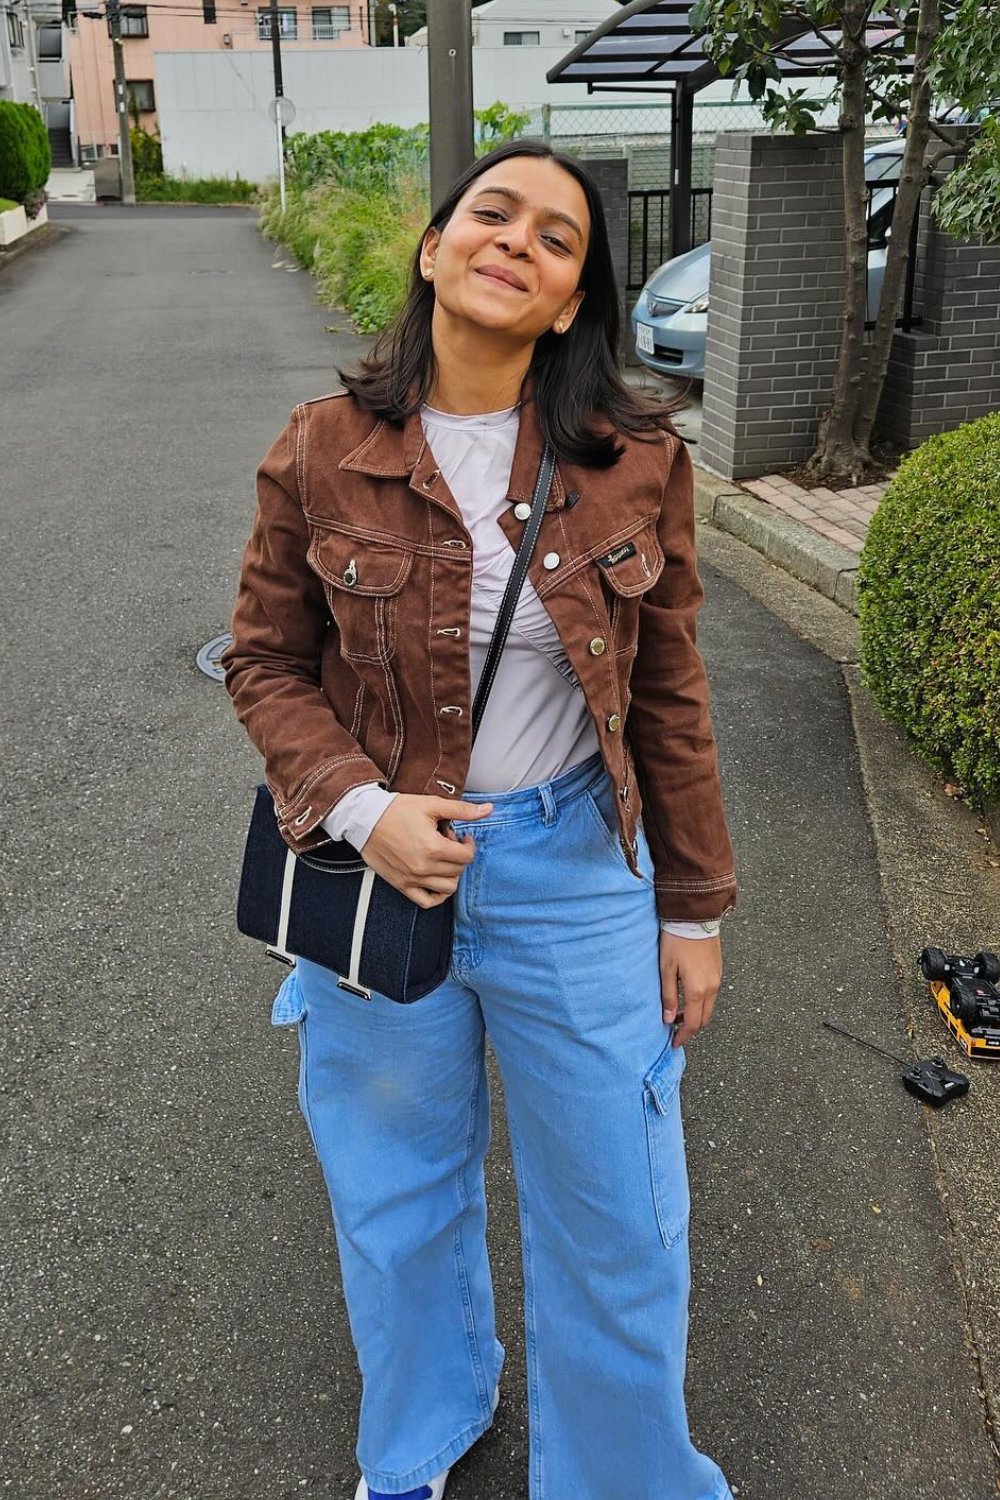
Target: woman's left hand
(690, 975)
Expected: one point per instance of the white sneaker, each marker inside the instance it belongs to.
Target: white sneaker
(431, 1489)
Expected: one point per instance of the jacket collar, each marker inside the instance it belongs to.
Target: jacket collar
(402, 452)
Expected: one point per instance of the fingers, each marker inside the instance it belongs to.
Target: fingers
(668, 991)
(693, 1018)
(464, 812)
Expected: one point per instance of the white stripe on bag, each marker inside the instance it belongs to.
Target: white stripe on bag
(360, 922)
(287, 881)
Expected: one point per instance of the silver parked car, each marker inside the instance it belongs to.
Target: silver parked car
(670, 317)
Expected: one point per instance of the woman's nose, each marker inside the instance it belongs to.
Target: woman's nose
(515, 238)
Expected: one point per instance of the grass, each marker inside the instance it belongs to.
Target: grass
(358, 243)
(6, 204)
(149, 189)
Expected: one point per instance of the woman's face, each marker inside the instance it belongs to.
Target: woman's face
(524, 219)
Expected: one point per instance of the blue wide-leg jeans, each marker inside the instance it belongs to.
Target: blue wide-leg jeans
(556, 959)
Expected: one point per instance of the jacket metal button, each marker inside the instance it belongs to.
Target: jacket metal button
(597, 646)
(550, 560)
(429, 480)
(522, 511)
(614, 722)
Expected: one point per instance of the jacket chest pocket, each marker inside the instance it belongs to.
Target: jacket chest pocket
(627, 571)
(362, 580)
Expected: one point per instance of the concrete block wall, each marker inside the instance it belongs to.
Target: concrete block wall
(775, 294)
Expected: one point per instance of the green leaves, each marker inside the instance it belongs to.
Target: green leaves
(967, 204)
(929, 591)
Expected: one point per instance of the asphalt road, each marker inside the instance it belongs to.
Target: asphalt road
(173, 1318)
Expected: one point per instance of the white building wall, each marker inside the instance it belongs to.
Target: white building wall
(556, 21)
(213, 105)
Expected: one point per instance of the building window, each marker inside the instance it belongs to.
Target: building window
(579, 35)
(522, 38)
(288, 24)
(140, 95)
(330, 21)
(50, 44)
(15, 30)
(135, 22)
(208, 12)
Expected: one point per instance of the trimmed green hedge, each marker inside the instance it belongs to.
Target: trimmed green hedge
(25, 153)
(929, 599)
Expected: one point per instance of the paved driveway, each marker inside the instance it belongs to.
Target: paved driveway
(174, 1324)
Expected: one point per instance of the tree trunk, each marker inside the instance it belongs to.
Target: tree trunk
(912, 178)
(837, 453)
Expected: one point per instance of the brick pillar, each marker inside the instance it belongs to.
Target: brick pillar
(776, 291)
(610, 173)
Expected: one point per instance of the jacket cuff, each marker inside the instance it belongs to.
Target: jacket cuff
(300, 820)
(695, 900)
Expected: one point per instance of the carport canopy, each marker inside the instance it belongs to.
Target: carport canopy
(648, 46)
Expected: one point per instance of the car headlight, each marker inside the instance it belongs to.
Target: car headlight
(699, 305)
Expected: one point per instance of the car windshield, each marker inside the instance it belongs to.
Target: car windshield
(883, 167)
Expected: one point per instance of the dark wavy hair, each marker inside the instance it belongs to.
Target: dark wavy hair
(577, 374)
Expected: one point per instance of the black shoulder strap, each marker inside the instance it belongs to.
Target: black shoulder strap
(514, 585)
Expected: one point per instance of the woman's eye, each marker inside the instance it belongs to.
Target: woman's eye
(496, 213)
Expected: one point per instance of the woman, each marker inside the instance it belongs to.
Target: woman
(586, 948)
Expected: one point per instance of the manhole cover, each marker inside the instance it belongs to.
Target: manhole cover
(207, 659)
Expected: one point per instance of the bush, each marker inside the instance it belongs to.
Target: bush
(359, 244)
(25, 153)
(152, 189)
(929, 589)
(147, 153)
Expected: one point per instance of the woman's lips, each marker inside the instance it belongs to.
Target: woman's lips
(497, 278)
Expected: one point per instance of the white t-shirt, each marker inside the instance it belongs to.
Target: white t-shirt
(537, 724)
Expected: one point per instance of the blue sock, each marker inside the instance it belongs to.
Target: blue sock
(424, 1493)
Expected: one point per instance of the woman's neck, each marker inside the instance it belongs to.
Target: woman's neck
(473, 374)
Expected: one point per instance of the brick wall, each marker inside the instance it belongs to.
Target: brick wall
(776, 286)
(946, 371)
(773, 327)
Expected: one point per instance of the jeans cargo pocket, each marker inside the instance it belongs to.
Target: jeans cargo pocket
(289, 1009)
(665, 1141)
(289, 1005)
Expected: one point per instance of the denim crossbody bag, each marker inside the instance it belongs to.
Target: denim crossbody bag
(327, 905)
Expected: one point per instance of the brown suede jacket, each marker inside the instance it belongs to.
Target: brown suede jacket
(350, 658)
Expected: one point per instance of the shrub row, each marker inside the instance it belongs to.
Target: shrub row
(929, 592)
(25, 153)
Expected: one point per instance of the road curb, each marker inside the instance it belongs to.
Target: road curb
(826, 566)
(47, 234)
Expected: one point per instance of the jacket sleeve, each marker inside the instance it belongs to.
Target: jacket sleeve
(669, 724)
(272, 667)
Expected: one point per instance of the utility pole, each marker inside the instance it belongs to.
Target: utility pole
(279, 87)
(449, 68)
(114, 12)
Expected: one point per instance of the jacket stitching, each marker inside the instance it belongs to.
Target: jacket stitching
(358, 705)
(300, 454)
(393, 697)
(430, 650)
(313, 777)
(679, 883)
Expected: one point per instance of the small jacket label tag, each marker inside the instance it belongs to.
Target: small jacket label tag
(616, 555)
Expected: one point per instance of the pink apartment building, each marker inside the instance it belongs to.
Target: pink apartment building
(187, 26)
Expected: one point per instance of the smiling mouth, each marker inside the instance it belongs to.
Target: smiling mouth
(500, 281)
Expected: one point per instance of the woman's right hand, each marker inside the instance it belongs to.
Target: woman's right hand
(407, 848)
